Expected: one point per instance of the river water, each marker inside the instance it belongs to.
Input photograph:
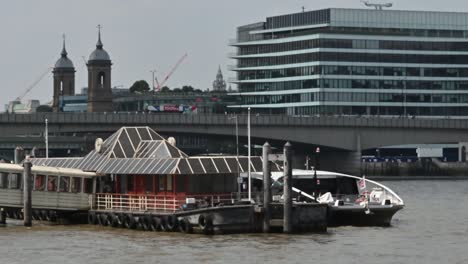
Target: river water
(433, 228)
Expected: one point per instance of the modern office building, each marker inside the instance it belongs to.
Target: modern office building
(354, 62)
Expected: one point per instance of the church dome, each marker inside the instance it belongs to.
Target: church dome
(64, 62)
(99, 54)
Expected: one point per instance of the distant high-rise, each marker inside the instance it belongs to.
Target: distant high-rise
(64, 78)
(355, 62)
(99, 79)
(219, 84)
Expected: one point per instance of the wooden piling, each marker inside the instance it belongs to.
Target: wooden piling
(266, 188)
(27, 192)
(287, 189)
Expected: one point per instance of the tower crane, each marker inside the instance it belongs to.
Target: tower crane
(179, 62)
(19, 98)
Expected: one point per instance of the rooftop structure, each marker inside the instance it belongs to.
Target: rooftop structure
(219, 84)
(355, 62)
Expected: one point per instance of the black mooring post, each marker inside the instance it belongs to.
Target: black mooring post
(27, 192)
(266, 188)
(287, 190)
(2, 216)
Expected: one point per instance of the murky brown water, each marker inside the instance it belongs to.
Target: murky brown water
(433, 228)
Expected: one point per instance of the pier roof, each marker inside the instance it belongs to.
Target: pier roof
(142, 151)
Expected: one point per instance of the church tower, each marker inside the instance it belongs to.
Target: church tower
(219, 84)
(64, 78)
(99, 79)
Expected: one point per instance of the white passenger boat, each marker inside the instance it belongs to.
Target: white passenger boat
(352, 200)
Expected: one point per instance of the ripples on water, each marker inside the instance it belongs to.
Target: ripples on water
(433, 228)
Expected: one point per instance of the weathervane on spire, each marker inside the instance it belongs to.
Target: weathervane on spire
(99, 44)
(64, 51)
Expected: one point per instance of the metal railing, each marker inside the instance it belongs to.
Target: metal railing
(138, 203)
(154, 203)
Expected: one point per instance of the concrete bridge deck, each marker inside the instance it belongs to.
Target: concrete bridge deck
(345, 133)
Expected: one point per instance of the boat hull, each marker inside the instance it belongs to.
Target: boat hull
(355, 215)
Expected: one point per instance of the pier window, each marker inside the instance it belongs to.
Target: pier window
(15, 180)
(88, 185)
(76, 185)
(64, 184)
(39, 183)
(3, 180)
(52, 184)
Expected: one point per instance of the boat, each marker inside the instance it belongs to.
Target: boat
(351, 200)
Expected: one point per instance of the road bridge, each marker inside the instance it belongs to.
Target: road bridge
(345, 134)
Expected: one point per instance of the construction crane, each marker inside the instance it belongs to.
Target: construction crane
(19, 98)
(377, 6)
(157, 88)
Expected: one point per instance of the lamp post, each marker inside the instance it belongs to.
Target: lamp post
(239, 181)
(316, 165)
(47, 137)
(152, 79)
(249, 154)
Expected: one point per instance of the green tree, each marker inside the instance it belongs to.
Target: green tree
(165, 89)
(187, 89)
(177, 90)
(140, 87)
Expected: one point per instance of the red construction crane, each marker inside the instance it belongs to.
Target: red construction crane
(19, 98)
(159, 85)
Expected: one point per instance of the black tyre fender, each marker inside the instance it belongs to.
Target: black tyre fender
(155, 224)
(171, 222)
(129, 221)
(145, 222)
(100, 219)
(45, 215)
(205, 221)
(52, 216)
(116, 220)
(35, 215)
(107, 219)
(185, 226)
(91, 218)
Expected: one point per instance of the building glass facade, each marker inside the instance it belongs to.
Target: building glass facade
(354, 62)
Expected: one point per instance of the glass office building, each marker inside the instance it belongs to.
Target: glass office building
(354, 62)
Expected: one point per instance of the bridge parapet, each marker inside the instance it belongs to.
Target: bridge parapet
(222, 120)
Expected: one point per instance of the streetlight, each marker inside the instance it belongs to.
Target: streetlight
(239, 180)
(153, 72)
(47, 137)
(249, 155)
(316, 165)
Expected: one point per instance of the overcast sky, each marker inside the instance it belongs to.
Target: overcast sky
(140, 35)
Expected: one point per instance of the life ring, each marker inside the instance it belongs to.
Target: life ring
(185, 226)
(205, 222)
(91, 218)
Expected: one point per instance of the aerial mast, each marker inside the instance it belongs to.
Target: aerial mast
(377, 6)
